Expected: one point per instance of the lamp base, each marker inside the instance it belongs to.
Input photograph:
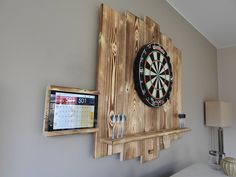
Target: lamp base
(221, 143)
(214, 159)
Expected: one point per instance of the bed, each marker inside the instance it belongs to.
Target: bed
(199, 170)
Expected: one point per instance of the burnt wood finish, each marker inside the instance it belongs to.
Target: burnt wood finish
(151, 115)
(110, 74)
(147, 130)
(134, 108)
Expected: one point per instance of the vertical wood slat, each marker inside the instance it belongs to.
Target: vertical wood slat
(150, 149)
(151, 115)
(177, 89)
(134, 108)
(166, 42)
(119, 93)
(179, 82)
(152, 30)
(110, 75)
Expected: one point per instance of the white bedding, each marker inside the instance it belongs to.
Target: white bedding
(199, 170)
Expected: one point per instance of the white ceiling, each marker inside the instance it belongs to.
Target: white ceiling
(215, 19)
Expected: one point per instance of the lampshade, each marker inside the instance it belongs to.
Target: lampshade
(218, 113)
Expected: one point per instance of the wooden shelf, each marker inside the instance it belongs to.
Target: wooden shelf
(70, 132)
(144, 135)
(72, 89)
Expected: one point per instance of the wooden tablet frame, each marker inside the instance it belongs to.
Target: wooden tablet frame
(49, 90)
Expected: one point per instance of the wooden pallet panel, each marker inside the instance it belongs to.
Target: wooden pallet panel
(110, 75)
(120, 38)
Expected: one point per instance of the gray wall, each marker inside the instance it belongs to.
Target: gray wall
(227, 87)
(55, 42)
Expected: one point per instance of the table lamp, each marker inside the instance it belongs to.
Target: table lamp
(218, 114)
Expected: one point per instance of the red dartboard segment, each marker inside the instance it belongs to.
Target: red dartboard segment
(153, 75)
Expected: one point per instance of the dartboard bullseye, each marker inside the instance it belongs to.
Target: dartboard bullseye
(153, 75)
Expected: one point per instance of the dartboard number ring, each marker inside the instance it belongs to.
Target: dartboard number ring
(153, 75)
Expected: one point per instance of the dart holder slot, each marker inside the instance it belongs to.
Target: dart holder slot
(118, 123)
(182, 120)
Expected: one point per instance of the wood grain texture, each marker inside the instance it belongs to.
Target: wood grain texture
(152, 30)
(147, 130)
(46, 109)
(134, 108)
(72, 89)
(110, 76)
(70, 132)
(151, 115)
(178, 79)
(150, 150)
(142, 136)
(166, 42)
(177, 89)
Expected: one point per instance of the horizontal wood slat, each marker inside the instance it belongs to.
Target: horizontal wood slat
(71, 132)
(143, 136)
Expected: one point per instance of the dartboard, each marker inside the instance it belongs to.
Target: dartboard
(153, 75)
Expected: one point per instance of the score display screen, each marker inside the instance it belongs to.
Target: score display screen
(72, 111)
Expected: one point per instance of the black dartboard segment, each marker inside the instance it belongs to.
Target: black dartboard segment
(153, 75)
